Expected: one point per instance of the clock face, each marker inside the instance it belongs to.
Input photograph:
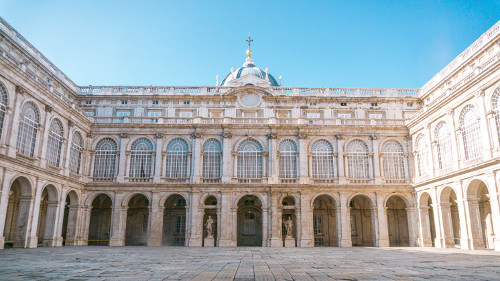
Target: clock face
(250, 100)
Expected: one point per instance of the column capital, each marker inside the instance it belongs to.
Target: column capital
(123, 135)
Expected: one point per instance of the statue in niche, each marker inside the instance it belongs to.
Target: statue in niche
(209, 225)
(288, 227)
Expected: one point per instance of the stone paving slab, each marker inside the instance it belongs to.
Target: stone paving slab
(179, 263)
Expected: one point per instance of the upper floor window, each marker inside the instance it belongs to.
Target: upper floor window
(496, 110)
(421, 155)
(155, 102)
(393, 160)
(154, 113)
(105, 164)
(54, 144)
(323, 161)
(187, 102)
(313, 115)
(288, 159)
(471, 132)
(141, 159)
(375, 115)
(75, 153)
(185, 114)
(343, 104)
(358, 160)
(28, 128)
(123, 113)
(443, 145)
(124, 102)
(250, 159)
(212, 152)
(177, 159)
(3, 106)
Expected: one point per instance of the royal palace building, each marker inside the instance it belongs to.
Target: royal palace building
(249, 162)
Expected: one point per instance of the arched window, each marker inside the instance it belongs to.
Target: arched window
(471, 132)
(323, 161)
(443, 145)
(105, 159)
(250, 159)
(358, 160)
(421, 155)
(177, 159)
(75, 153)
(495, 101)
(141, 159)
(28, 128)
(3, 105)
(54, 144)
(288, 159)
(393, 160)
(212, 151)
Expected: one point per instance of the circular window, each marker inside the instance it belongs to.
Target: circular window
(250, 100)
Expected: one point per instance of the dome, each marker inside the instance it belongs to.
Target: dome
(249, 68)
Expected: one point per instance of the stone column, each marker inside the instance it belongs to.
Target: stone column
(225, 220)
(407, 168)
(50, 233)
(483, 124)
(122, 169)
(60, 219)
(196, 157)
(73, 225)
(383, 228)
(158, 158)
(14, 125)
(84, 230)
(4, 202)
(196, 221)
(475, 229)
(234, 226)
(28, 214)
(66, 156)
(431, 152)
(376, 159)
(273, 170)
(306, 221)
(156, 221)
(446, 225)
(226, 158)
(494, 196)
(303, 157)
(425, 227)
(41, 151)
(345, 218)
(340, 159)
(455, 153)
(439, 240)
(118, 221)
(412, 226)
(276, 241)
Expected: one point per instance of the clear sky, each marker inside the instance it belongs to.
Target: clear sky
(310, 43)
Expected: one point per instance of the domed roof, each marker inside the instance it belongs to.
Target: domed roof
(249, 68)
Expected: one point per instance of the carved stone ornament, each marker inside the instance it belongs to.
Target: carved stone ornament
(123, 135)
(272, 136)
(374, 137)
(195, 135)
(227, 135)
(303, 136)
(339, 137)
(48, 108)
(89, 135)
(158, 135)
(20, 90)
(70, 123)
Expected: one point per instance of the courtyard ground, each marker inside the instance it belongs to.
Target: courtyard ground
(179, 263)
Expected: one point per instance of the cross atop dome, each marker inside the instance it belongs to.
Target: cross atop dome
(249, 40)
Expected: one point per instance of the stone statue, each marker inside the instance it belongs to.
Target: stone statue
(288, 226)
(208, 225)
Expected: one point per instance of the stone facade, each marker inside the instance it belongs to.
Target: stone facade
(113, 165)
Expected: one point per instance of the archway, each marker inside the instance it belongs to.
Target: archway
(450, 217)
(397, 222)
(17, 217)
(362, 231)
(70, 219)
(481, 222)
(136, 232)
(100, 221)
(288, 213)
(249, 221)
(324, 222)
(174, 221)
(210, 211)
(47, 216)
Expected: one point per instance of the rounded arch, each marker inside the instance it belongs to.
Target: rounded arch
(250, 144)
(30, 110)
(473, 186)
(240, 141)
(165, 197)
(3, 105)
(77, 138)
(321, 145)
(401, 196)
(357, 145)
(140, 143)
(287, 145)
(55, 120)
(74, 197)
(89, 199)
(240, 196)
(369, 197)
(423, 199)
(330, 196)
(53, 192)
(445, 192)
(26, 185)
(212, 145)
(177, 142)
(207, 196)
(129, 196)
(391, 145)
(106, 143)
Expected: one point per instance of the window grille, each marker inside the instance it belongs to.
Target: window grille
(323, 161)
(212, 151)
(28, 128)
(421, 155)
(3, 106)
(358, 160)
(443, 145)
(496, 110)
(105, 159)
(288, 159)
(318, 225)
(177, 159)
(180, 226)
(393, 160)
(75, 153)
(471, 132)
(54, 144)
(250, 159)
(141, 159)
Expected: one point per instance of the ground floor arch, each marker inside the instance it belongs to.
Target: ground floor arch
(362, 224)
(47, 216)
(426, 218)
(480, 216)
(325, 221)
(249, 221)
(289, 229)
(100, 221)
(210, 222)
(18, 213)
(397, 221)
(69, 227)
(137, 226)
(174, 221)
(450, 217)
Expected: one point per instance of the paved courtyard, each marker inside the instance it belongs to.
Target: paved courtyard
(177, 263)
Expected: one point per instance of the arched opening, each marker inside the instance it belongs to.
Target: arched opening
(397, 221)
(325, 222)
(17, 218)
(451, 220)
(210, 226)
(249, 221)
(100, 221)
(174, 221)
(136, 233)
(46, 230)
(426, 217)
(70, 217)
(362, 231)
(289, 222)
(481, 222)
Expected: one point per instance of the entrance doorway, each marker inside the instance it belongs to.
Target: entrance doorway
(397, 222)
(324, 222)
(100, 221)
(174, 221)
(249, 221)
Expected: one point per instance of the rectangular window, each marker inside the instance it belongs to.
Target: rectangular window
(88, 102)
(344, 115)
(313, 104)
(123, 113)
(187, 102)
(180, 226)
(374, 104)
(318, 225)
(155, 102)
(124, 102)
(154, 114)
(343, 104)
(185, 114)
(313, 115)
(375, 115)
(90, 113)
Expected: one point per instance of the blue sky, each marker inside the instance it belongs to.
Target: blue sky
(310, 43)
